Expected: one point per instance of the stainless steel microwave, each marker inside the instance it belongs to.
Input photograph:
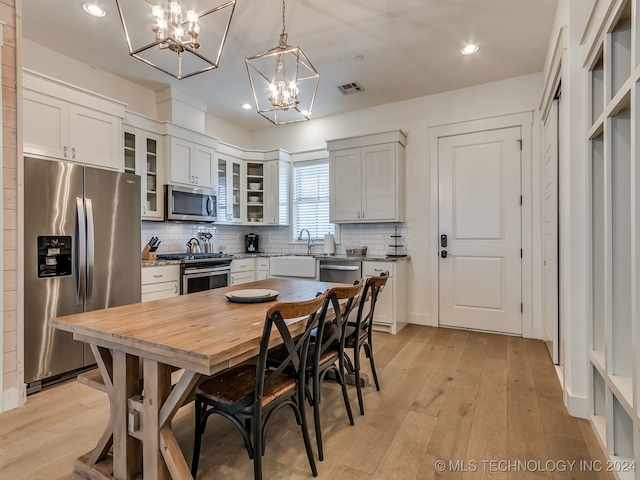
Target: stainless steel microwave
(190, 204)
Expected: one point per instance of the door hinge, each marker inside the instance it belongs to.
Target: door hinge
(521, 254)
(520, 199)
(519, 143)
(521, 307)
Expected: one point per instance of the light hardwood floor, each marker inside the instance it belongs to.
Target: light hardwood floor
(445, 394)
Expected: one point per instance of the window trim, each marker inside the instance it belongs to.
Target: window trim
(321, 159)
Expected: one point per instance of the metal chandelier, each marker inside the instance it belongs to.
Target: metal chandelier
(179, 43)
(283, 82)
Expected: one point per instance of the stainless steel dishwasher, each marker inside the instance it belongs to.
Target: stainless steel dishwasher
(340, 271)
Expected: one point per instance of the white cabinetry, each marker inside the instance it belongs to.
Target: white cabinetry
(142, 156)
(160, 282)
(192, 158)
(243, 270)
(253, 186)
(612, 48)
(230, 174)
(262, 272)
(367, 178)
(67, 123)
(276, 188)
(391, 313)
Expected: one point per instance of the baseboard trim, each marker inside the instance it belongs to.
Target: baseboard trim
(577, 406)
(421, 319)
(10, 399)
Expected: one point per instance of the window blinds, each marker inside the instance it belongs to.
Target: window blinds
(311, 199)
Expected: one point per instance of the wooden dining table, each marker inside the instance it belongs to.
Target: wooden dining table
(138, 347)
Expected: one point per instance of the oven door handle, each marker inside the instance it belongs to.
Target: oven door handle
(193, 271)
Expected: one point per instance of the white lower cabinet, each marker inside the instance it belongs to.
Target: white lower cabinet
(262, 271)
(160, 282)
(243, 270)
(392, 312)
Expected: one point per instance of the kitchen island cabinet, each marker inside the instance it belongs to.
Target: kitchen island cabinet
(68, 123)
(367, 178)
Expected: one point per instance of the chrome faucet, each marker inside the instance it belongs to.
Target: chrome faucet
(309, 241)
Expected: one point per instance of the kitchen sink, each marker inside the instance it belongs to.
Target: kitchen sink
(301, 266)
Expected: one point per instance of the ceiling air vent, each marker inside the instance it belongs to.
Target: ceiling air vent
(349, 88)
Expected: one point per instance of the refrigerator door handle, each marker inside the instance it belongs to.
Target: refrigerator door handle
(81, 252)
(91, 248)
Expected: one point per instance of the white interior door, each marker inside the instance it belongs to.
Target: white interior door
(550, 232)
(479, 212)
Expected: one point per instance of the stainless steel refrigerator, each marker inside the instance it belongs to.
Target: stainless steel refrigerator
(82, 253)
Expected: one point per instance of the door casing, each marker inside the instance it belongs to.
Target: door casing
(525, 121)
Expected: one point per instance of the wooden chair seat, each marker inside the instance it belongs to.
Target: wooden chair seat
(233, 389)
(350, 335)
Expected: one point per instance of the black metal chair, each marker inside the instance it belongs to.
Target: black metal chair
(359, 333)
(249, 395)
(329, 350)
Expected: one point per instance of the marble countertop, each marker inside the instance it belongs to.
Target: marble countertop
(239, 256)
(368, 258)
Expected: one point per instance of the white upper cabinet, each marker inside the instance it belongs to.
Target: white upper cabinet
(67, 123)
(143, 156)
(192, 164)
(253, 186)
(276, 191)
(367, 178)
(230, 174)
(192, 157)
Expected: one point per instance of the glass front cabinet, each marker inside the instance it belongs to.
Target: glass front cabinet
(230, 188)
(142, 157)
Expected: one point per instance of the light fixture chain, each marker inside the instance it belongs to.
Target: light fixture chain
(283, 18)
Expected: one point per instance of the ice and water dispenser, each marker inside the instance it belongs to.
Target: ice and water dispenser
(54, 256)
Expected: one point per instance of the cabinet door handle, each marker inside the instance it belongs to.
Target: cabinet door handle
(358, 214)
(362, 213)
(175, 289)
(65, 151)
(73, 152)
(144, 210)
(197, 179)
(158, 276)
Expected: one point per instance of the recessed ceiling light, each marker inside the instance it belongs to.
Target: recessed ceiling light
(93, 9)
(246, 106)
(470, 49)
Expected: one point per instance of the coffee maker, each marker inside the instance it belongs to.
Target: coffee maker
(251, 242)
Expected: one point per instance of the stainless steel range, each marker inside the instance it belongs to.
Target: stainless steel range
(201, 271)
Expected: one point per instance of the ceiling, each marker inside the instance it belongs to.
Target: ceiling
(411, 48)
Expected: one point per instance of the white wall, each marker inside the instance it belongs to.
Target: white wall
(414, 118)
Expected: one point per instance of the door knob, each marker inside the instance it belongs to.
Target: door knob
(443, 254)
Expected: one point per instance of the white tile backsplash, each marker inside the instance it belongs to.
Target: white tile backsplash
(273, 240)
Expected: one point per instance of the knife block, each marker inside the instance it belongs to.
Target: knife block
(147, 254)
